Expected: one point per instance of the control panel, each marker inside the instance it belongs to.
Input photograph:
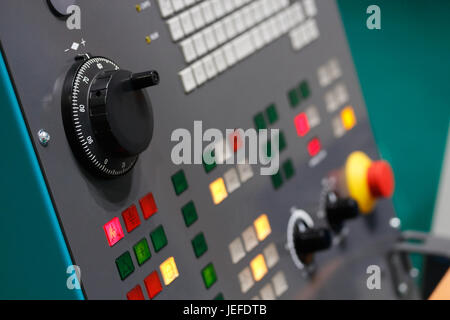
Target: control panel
(204, 149)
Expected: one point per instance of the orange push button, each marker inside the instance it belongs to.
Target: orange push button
(381, 179)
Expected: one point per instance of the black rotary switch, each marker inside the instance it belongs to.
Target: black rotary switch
(339, 210)
(107, 115)
(309, 241)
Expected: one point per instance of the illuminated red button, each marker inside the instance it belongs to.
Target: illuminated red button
(131, 218)
(302, 124)
(314, 147)
(136, 293)
(148, 206)
(113, 231)
(236, 141)
(381, 179)
(153, 284)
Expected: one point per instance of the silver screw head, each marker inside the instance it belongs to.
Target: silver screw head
(44, 137)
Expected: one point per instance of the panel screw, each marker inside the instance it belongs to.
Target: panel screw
(44, 137)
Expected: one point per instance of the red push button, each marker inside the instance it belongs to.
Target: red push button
(136, 293)
(113, 231)
(381, 179)
(236, 141)
(314, 147)
(148, 206)
(302, 124)
(153, 284)
(131, 218)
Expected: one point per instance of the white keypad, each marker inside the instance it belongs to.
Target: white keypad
(246, 280)
(237, 251)
(227, 32)
(250, 239)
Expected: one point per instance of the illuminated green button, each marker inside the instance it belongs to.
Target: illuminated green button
(288, 169)
(179, 182)
(209, 275)
(210, 167)
(159, 238)
(294, 99)
(260, 123)
(282, 141)
(219, 297)
(305, 92)
(125, 265)
(199, 245)
(142, 251)
(189, 214)
(269, 149)
(277, 180)
(272, 114)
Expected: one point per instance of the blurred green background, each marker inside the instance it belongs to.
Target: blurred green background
(404, 71)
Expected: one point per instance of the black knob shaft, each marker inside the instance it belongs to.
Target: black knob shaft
(145, 79)
(339, 210)
(311, 240)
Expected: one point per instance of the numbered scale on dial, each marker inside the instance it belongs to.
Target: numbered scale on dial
(107, 114)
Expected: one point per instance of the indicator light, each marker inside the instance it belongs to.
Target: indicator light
(288, 169)
(294, 99)
(235, 140)
(209, 167)
(179, 182)
(135, 293)
(277, 180)
(348, 118)
(153, 284)
(209, 275)
(199, 245)
(142, 251)
(259, 121)
(218, 191)
(131, 218)
(148, 39)
(259, 267)
(169, 271)
(262, 227)
(125, 265)
(148, 206)
(219, 297)
(314, 147)
(189, 214)
(159, 238)
(113, 231)
(302, 124)
(304, 90)
(272, 114)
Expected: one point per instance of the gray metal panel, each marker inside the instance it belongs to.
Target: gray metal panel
(35, 53)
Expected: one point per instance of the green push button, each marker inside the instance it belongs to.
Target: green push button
(272, 114)
(210, 167)
(142, 251)
(219, 297)
(288, 169)
(159, 238)
(305, 92)
(294, 99)
(277, 180)
(260, 122)
(209, 275)
(125, 265)
(189, 214)
(179, 182)
(199, 245)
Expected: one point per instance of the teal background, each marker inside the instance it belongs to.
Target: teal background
(404, 71)
(33, 253)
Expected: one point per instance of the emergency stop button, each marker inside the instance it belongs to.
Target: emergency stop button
(381, 179)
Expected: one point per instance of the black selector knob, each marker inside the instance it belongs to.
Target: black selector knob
(338, 210)
(107, 114)
(311, 240)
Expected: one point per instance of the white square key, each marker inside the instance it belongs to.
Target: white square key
(187, 78)
(199, 73)
(210, 69)
(165, 6)
(187, 46)
(219, 60)
(176, 31)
